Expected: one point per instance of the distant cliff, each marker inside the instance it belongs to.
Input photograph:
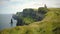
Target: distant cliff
(30, 15)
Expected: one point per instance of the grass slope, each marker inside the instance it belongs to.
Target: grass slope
(49, 25)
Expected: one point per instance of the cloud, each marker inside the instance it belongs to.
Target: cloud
(3, 2)
(18, 5)
(26, 5)
(13, 0)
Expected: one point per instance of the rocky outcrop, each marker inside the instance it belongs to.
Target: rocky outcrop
(36, 15)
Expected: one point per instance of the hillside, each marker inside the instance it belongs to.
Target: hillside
(49, 25)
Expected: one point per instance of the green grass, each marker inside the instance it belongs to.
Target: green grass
(28, 20)
(49, 25)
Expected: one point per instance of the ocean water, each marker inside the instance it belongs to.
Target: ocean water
(5, 21)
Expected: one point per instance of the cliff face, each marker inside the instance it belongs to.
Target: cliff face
(30, 15)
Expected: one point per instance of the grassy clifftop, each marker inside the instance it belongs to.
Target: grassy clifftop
(49, 25)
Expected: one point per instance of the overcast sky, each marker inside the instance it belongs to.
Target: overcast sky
(12, 6)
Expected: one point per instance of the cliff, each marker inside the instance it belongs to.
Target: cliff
(30, 15)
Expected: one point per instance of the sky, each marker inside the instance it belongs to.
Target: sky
(13, 6)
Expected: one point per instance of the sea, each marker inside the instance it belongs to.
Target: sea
(5, 21)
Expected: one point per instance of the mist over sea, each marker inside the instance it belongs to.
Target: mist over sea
(5, 20)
